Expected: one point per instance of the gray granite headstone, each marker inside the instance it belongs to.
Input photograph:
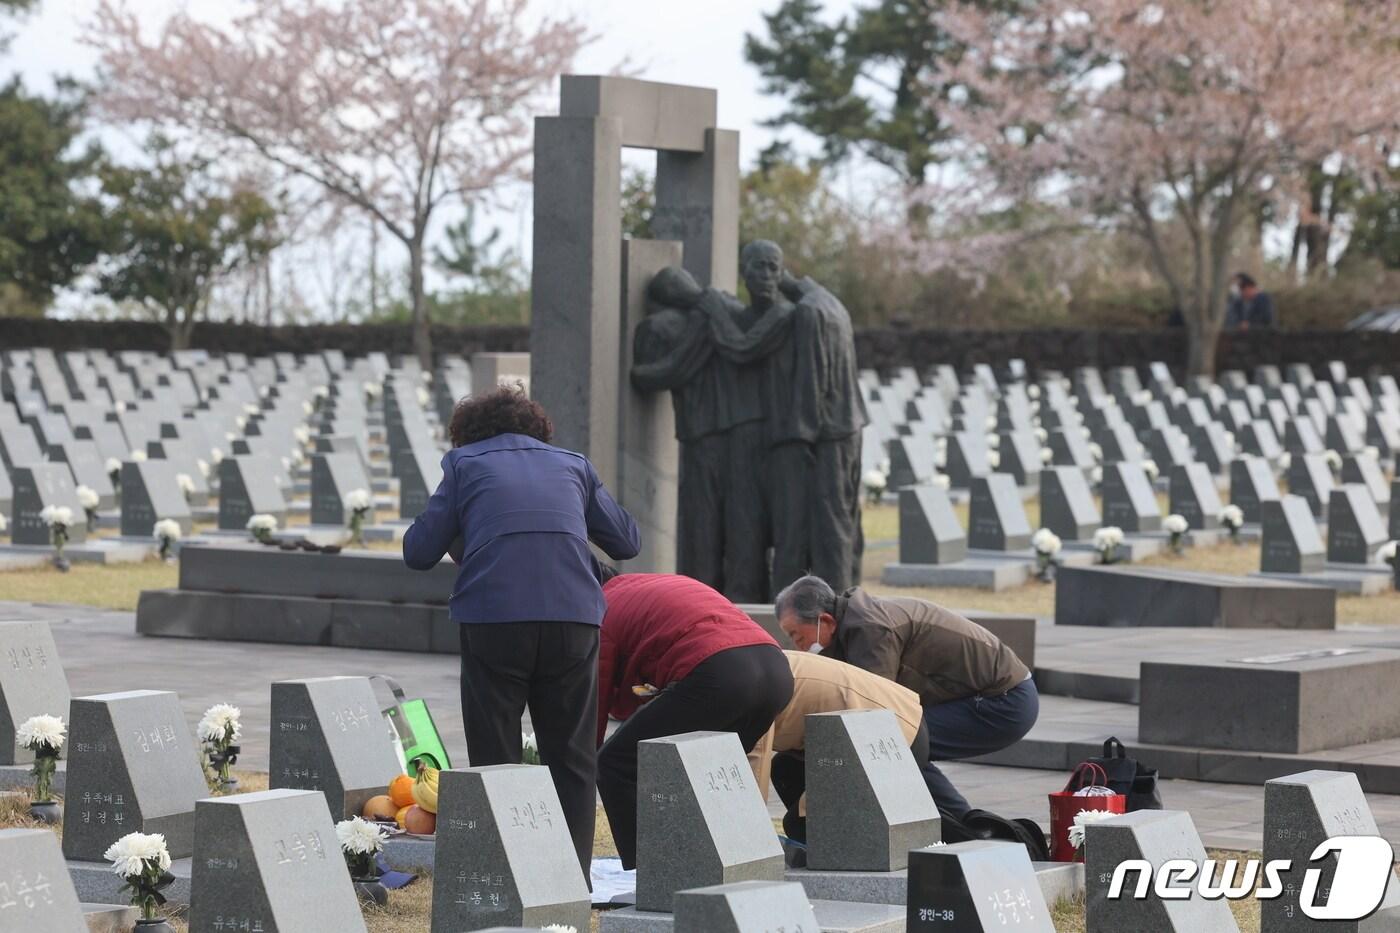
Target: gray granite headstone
(1251, 484)
(1259, 440)
(1070, 448)
(504, 855)
(1343, 436)
(1020, 456)
(929, 532)
(32, 683)
(1300, 812)
(133, 767)
(36, 892)
(1214, 447)
(18, 444)
(269, 861)
(1291, 542)
(867, 803)
(248, 487)
(997, 517)
(1366, 470)
(745, 907)
(1301, 437)
(1309, 476)
(37, 486)
(1168, 446)
(328, 734)
(1129, 501)
(150, 493)
(1194, 497)
(1067, 504)
(1355, 529)
(913, 459)
(967, 458)
(88, 467)
(1155, 836)
(977, 887)
(420, 474)
(333, 476)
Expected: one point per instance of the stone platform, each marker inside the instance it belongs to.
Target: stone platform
(1119, 596)
(110, 918)
(832, 917)
(91, 551)
(1351, 582)
(1058, 881)
(95, 882)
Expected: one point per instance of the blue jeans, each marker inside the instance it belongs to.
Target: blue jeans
(974, 726)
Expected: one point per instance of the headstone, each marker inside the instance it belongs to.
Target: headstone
(929, 532)
(1070, 448)
(1156, 836)
(38, 894)
(1355, 529)
(913, 459)
(966, 459)
(1342, 436)
(997, 517)
(1301, 811)
(1251, 484)
(1020, 456)
(1119, 443)
(1309, 476)
(1366, 470)
(977, 887)
(333, 476)
(867, 803)
(700, 818)
(328, 735)
(490, 370)
(1129, 501)
(88, 468)
(745, 907)
(269, 861)
(150, 493)
(32, 683)
(420, 474)
(1259, 440)
(132, 768)
(504, 855)
(1291, 542)
(18, 444)
(1193, 496)
(248, 487)
(37, 486)
(1300, 437)
(1067, 504)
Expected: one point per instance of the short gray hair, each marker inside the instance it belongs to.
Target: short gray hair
(807, 598)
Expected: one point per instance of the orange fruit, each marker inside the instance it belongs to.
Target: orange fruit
(379, 808)
(399, 817)
(401, 791)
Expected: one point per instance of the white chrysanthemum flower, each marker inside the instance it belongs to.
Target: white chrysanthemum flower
(307, 408)
(287, 464)
(87, 497)
(357, 499)
(1046, 542)
(374, 389)
(250, 409)
(37, 731)
(1046, 455)
(991, 423)
(1232, 516)
(1389, 552)
(302, 434)
(426, 376)
(1086, 432)
(874, 481)
(221, 723)
(113, 465)
(1096, 451)
(166, 528)
(56, 515)
(262, 522)
(185, 482)
(1108, 537)
(3, 523)
(137, 456)
(1042, 436)
(119, 406)
(359, 836)
(556, 927)
(323, 391)
(1334, 459)
(528, 743)
(1096, 475)
(130, 854)
(424, 398)
(1285, 461)
(1178, 396)
(994, 459)
(240, 422)
(203, 467)
(993, 441)
(1084, 818)
(1149, 467)
(942, 480)
(884, 466)
(1175, 524)
(1033, 391)
(1371, 451)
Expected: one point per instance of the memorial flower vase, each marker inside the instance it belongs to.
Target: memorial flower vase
(155, 925)
(44, 736)
(46, 811)
(371, 891)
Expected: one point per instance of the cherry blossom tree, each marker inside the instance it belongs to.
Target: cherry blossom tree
(392, 108)
(1175, 120)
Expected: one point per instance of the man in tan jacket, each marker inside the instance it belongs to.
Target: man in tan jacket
(824, 685)
(977, 696)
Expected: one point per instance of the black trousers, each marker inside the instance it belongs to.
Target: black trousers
(739, 690)
(789, 779)
(551, 667)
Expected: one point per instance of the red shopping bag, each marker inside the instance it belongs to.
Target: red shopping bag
(1064, 805)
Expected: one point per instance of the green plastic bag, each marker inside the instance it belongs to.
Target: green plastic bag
(412, 725)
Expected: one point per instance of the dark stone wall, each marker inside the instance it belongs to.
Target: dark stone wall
(878, 348)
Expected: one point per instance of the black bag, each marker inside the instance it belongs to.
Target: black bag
(1128, 777)
(983, 824)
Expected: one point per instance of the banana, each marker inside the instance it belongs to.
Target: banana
(425, 789)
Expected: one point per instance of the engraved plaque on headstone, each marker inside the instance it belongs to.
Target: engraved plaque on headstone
(1291, 542)
(37, 486)
(700, 818)
(38, 894)
(327, 734)
(867, 803)
(504, 855)
(1128, 499)
(929, 532)
(745, 907)
(150, 493)
(269, 861)
(977, 887)
(32, 683)
(997, 517)
(1067, 504)
(1355, 529)
(132, 768)
(248, 487)
(1194, 497)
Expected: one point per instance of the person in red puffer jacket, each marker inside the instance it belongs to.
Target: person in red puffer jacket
(674, 657)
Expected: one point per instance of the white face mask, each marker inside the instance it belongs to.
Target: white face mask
(816, 646)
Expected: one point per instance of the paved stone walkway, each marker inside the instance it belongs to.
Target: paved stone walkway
(102, 654)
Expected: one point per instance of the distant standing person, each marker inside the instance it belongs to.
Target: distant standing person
(1249, 306)
(676, 657)
(517, 514)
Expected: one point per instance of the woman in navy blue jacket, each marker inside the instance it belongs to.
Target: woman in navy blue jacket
(516, 514)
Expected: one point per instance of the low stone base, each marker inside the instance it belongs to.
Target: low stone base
(96, 884)
(18, 778)
(1058, 881)
(1351, 582)
(91, 551)
(1134, 548)
(832, 917)
(1201, 538)
(994, 575)
(110, 918)
(405, 853)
